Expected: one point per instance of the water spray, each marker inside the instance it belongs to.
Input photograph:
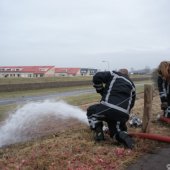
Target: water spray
(24, 122)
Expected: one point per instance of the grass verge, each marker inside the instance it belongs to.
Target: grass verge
(73, 148)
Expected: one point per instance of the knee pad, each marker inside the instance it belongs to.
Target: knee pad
(93, 122)
(97, 127)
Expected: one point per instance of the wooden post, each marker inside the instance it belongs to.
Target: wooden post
(148, 97)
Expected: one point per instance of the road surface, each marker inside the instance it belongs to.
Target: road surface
(58, 95)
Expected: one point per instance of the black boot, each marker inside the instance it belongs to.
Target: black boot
(99, 135)
(125, 139)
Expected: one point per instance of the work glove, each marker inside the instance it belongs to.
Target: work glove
(164, 105)
(99, 88)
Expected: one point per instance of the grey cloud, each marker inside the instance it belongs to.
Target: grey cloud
(84, 32)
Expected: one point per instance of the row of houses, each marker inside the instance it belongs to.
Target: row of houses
(43, 71)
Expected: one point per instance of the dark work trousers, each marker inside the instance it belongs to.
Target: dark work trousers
(115, 119)
(167, 111)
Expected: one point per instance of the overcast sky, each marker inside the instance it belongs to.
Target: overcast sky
(84, 33)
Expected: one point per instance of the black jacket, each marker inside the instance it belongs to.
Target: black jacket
(117, 90)
(164, 90)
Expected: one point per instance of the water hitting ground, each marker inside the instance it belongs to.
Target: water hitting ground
(36, 119)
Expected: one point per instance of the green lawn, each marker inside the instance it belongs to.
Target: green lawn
(42, 79)
(54, 79)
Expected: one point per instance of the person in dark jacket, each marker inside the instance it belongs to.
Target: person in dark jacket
(118, 95)
(164, 87)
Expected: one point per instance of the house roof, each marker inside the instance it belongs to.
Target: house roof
(26, 69)
(73, 70)
(67, 70)
(61, 70)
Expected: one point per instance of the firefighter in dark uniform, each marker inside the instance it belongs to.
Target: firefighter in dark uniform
(118, 95)
(164, 87)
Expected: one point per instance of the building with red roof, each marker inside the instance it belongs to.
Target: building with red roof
(67, 72)
(27, 71)
(43, 71)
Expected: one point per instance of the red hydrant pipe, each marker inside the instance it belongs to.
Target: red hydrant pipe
(151, 136)
(165, 119)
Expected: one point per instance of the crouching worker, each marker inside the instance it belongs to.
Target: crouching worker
(164, 87)
(117, 99)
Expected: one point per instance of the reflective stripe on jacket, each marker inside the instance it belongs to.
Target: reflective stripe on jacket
(119, 91)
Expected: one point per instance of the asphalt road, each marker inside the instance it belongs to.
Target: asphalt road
(22, 99)
(159, 159)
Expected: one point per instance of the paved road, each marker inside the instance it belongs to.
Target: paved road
(44, 97)
(159, 159)
(22, 99)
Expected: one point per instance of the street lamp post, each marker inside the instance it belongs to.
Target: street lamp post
(104, 61)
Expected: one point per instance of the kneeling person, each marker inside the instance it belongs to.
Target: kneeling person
(118, 98)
